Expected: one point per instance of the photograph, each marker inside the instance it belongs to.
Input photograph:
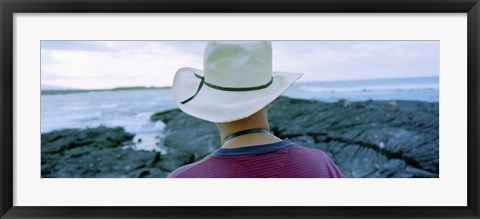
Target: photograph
(239, 109)
(234, 109)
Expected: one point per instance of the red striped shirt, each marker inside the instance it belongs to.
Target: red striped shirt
(283, 159)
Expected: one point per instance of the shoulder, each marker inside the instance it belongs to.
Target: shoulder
(184, 171)
(316, 157)
(307, 152)
(176, 173)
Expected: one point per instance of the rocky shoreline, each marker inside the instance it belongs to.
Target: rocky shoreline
(100, 152)
(365, 139)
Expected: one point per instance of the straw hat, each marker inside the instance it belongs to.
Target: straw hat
(237, 81)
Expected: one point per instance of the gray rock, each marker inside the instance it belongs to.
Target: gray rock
(95, 152)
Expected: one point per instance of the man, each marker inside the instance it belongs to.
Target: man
(233, 91)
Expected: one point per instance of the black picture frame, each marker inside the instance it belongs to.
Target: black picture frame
(9, 7)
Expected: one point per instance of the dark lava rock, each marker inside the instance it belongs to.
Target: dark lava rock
(187, 140)
(364, 139)
(95, 152)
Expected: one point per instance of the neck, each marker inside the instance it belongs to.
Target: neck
(224, 133)
(258, 120)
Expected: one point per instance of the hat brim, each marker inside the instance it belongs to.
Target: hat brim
(225, 106)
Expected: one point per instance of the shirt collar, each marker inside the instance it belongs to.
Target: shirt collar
(256, 149)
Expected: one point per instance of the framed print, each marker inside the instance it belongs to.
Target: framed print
(159, 109)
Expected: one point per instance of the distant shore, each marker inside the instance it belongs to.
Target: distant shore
(69, 91)
(365, 139)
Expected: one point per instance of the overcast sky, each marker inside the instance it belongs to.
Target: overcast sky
(109, 64)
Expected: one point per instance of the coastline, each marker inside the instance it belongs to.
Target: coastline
(364, 139)
(72, 91)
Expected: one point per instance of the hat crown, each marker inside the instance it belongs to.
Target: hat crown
(238, 64)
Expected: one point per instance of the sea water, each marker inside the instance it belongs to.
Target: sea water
(417, 89)
(131, 109)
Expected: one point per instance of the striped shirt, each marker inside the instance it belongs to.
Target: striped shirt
(283, 159)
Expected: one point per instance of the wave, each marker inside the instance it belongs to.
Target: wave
(326, 89)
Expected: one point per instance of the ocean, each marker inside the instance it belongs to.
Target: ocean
(132, 109)
(418, 89)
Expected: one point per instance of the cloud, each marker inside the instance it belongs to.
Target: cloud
(108, 64)
(115, 64)
(347, 60)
